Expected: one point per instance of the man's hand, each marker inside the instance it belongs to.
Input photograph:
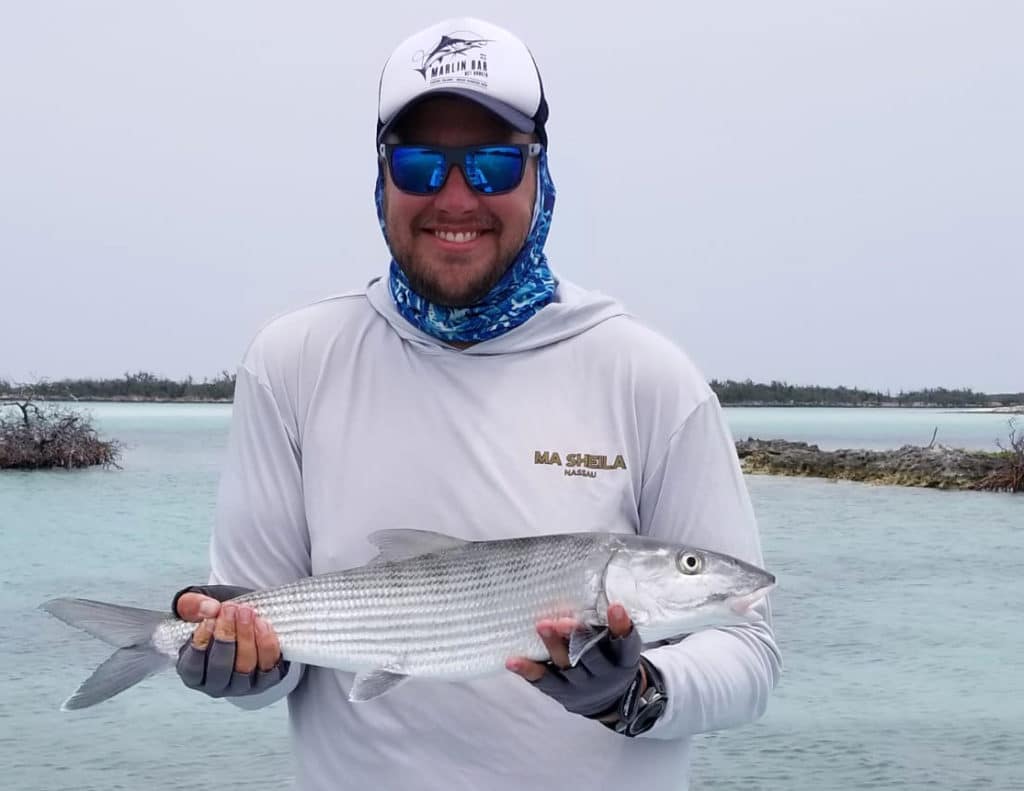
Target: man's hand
(602, 675)
(232, 652)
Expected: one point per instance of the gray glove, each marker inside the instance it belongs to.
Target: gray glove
(221, 593)
(212, 670)
(604, 673)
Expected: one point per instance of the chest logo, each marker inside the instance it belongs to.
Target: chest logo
(586, 465)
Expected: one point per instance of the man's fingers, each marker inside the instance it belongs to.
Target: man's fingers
(225, 627)
(202, 635)
(245, 652)
(619, 623)
(531, 671)
(267, 648)
(195, 607)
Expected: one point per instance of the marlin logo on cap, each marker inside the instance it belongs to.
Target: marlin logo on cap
(450, 46)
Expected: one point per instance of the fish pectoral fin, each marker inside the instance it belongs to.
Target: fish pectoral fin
(582, 640)
(370, 684)
(402, 543)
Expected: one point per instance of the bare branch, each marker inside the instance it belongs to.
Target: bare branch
(51, 436)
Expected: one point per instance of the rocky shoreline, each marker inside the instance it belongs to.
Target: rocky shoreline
(932, 466)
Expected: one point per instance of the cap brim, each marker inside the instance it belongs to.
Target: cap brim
(517, 120)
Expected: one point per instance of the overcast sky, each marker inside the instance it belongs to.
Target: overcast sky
(817, 191)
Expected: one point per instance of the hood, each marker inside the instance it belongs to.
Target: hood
(573, 310)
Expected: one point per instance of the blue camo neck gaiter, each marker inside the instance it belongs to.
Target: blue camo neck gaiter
(526, 287)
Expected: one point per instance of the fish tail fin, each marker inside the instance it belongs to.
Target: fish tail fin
(129, 629)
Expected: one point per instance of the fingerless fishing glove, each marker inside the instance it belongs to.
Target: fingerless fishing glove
(603, 674)
(212, 670)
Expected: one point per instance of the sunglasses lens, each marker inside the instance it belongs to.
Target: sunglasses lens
(416, 169)
(494, 168)
(488, 169)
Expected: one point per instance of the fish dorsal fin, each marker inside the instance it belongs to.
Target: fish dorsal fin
(373, 683)
(402, 544)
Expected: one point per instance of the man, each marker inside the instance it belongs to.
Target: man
(473, 392)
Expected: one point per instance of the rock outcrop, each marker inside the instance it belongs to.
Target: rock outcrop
(934, 466)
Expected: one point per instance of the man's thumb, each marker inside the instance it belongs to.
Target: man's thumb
(195, 607)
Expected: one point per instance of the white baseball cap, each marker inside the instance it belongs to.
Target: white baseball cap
(469, 58)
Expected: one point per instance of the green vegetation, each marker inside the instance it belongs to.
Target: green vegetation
(140, 386)
(784, 394)
(143, 386)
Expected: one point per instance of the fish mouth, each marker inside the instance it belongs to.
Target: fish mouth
(742, 605)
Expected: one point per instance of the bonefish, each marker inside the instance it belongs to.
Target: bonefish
(433, 606)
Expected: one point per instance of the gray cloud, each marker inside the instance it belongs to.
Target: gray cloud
(827, 192)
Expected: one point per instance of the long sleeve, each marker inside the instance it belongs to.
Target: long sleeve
(717, 678)
(260, 538)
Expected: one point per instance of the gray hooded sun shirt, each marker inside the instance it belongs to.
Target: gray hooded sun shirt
(347, 420)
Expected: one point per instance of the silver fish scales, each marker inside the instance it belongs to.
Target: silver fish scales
(451, 614)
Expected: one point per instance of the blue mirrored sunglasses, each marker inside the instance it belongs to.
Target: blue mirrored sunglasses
(489, 170)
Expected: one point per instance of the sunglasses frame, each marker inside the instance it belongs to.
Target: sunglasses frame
(455, 157)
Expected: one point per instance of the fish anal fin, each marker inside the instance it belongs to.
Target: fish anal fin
(370, 684)
(402, 544)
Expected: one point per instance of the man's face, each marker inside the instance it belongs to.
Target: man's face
(493, 227)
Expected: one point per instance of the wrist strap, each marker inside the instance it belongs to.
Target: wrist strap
(638, 713)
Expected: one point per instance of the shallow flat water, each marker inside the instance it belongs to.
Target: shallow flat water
(880, 428)
(897, 614)
(897, 611)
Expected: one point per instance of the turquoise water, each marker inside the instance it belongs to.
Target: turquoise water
(898, 612)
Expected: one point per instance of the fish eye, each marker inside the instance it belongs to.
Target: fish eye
(689, 562)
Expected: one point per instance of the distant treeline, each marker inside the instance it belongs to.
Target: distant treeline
(141, 386)
(784, 394)
(145, 386)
